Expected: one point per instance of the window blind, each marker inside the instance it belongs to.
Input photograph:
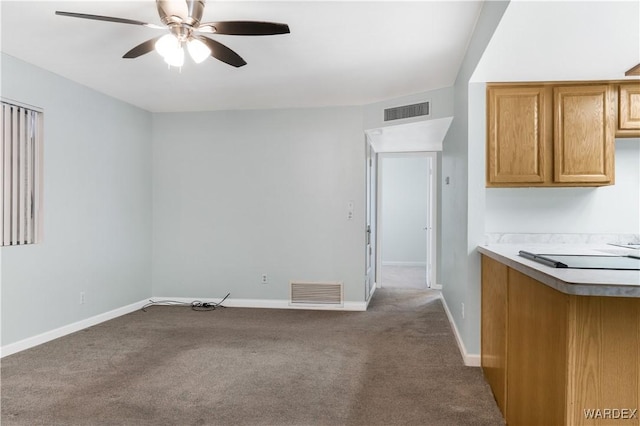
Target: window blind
(20, 175)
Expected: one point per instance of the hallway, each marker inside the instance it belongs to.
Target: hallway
(400, 276)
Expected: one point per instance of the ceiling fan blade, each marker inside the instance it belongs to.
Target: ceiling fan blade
(108, 19)
(142, 48)
(252, 28)
(223, 53)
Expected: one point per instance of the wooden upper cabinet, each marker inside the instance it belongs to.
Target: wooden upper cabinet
(628, 110)
(584, 128)
(516, 134)
(550, 134)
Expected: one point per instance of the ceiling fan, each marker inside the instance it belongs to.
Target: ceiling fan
(182, 19)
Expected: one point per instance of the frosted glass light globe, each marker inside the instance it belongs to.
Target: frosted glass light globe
(198, 50)
(170, 49)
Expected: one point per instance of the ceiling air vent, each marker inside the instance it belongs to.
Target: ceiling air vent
(406, 111)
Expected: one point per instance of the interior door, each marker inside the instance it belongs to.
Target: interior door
(369, 218)
(429, 227)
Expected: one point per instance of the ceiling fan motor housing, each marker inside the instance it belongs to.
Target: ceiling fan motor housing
(180, 12)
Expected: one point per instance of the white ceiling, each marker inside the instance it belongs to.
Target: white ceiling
(563, 40)
(338, 53)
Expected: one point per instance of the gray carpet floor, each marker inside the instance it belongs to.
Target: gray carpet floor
(397, 276)
(396, 364)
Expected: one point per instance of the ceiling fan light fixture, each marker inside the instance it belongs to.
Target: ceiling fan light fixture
(175, 58)
(169, 47)
(198, 50)
(166, 44)
(182, 18)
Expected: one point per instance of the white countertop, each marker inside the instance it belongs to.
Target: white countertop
(586, 282)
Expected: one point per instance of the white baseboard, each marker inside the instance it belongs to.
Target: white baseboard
(47, 336)
(271, 304)
(470, 360)
(436, 286)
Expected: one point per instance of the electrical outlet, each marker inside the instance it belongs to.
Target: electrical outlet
(82, 298)
(462, 310)
(265, 279)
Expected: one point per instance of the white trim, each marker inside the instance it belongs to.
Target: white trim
(47, 336)
(270, 304)
(432, 252)
(394, 263)
(470, 360)
(371, 293)
(436, 287)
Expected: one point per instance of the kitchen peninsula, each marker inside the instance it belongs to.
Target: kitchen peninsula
(558, 344)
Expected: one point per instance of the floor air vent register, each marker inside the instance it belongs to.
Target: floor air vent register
(316, 293)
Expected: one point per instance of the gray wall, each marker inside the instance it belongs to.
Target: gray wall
(240, 193)
(236, 194)
(404, 190)
(462, 204)
(97, 207)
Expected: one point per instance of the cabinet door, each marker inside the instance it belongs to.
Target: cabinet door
(537, 352)
(604, 357)
(584, 134)
(516, 136)
(628, 110)
(494, 329)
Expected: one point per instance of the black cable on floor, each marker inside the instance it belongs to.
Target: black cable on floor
(196, 305)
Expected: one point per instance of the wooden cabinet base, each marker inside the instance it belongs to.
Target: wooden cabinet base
(604, 359)
(494, 328)
(536, 354)
(570, 360)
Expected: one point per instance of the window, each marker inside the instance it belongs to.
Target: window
(20, 174)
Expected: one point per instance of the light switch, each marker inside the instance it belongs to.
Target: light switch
(350, 207)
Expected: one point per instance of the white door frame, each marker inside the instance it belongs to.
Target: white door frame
(432, 214)
(432, 211)
(370, 214)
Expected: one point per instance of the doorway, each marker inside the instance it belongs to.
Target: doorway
(405, 217)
